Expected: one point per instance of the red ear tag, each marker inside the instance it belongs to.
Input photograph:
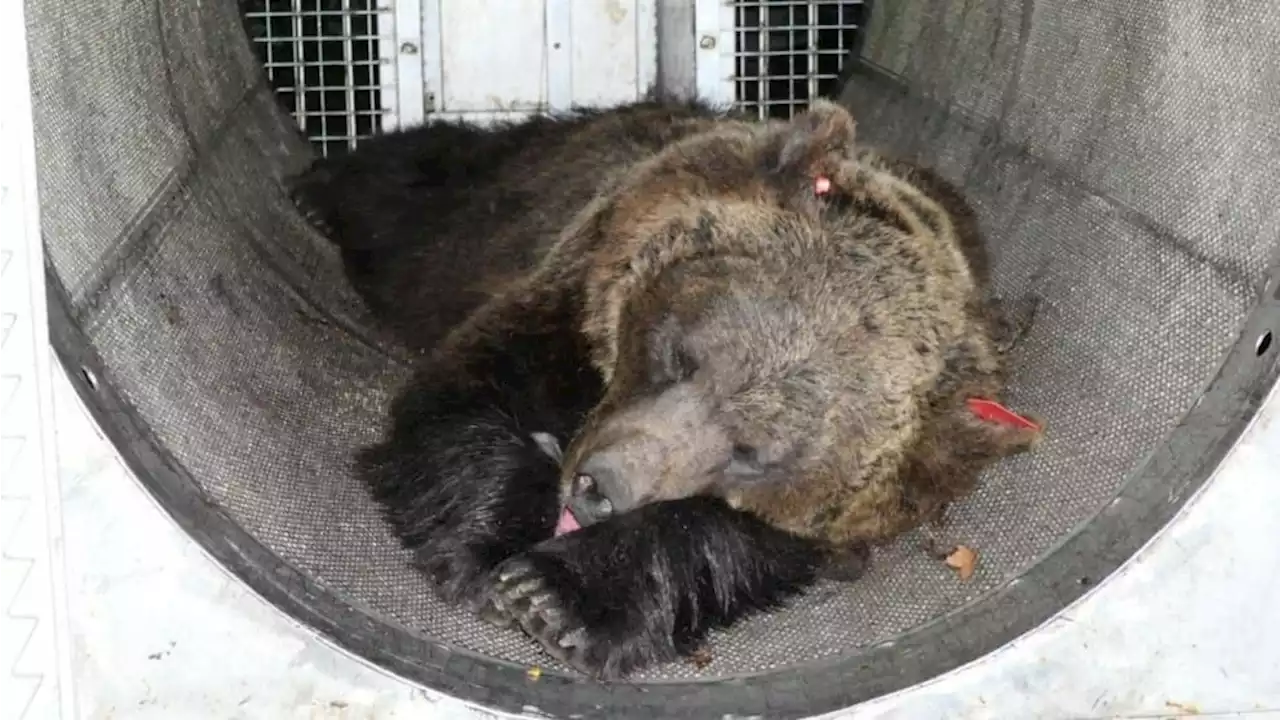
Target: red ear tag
(992, 411)
(821, 185)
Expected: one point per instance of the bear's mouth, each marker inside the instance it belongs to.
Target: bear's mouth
(550, 446)
(567, 523)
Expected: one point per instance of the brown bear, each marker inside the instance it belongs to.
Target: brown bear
(763, 347)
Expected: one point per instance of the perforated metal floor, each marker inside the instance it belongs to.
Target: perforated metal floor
(1123, 158)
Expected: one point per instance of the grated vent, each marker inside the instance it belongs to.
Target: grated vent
(787, 52)
(324, 59)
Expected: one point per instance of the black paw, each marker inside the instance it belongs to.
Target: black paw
(523, 596)
(462, 492)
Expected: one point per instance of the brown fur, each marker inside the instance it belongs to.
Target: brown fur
(881, 282)
(666, 290)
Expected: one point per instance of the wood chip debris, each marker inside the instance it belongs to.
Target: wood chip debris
(1182, 708)
(963, 560)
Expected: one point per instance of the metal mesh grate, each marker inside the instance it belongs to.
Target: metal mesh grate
(324, 58)
(787, 52)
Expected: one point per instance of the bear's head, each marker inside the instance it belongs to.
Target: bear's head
(748, 326)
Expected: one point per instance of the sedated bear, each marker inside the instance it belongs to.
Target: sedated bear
(756, 342)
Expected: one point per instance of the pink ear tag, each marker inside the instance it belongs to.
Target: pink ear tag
(993, 411)
(821, 185)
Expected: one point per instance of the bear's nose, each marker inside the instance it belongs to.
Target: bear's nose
(588, 504)
(596, 491)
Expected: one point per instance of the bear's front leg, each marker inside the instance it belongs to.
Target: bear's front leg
(464, 490)
(464, 475)
(646, 586)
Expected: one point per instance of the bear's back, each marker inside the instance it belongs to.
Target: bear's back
(434, 219)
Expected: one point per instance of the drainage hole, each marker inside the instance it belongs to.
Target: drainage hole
(1264, 343)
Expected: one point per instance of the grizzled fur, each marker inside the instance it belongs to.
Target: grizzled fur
(757, 379)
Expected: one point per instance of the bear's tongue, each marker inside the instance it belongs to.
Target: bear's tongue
(567, 522)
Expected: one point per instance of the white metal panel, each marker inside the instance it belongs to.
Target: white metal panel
(646, 13)
(515, 57)
(713, 25)
(432, 57)
(559, 50)
(403, 98)
(36, 679)
(493, 55)
(675, 62)
(607, 57)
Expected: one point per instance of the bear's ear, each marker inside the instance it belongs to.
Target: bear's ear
(815, 140)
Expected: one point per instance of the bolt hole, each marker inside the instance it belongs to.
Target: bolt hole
(90, 378)
(1264, 343)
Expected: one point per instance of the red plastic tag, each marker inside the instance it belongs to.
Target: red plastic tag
(992, 411)
(821, 185)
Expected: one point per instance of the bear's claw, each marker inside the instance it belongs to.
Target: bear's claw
(522, 596)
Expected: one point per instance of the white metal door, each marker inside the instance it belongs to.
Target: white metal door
(507, 58)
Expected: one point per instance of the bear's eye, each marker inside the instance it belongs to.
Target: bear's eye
(669, 366)
(744, 462)
(683, 365)
(673, 366)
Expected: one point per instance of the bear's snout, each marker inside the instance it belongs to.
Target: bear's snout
(597, 491)
(656, 449)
